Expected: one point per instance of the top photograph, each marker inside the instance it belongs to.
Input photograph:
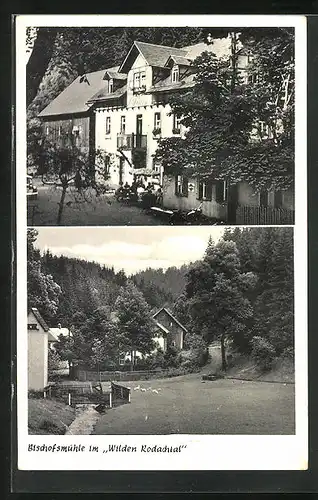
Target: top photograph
(146, 126)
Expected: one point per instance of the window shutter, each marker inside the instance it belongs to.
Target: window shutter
(219, 192)
(185, 186)
(200, 190)
(176, 185)
(209, 190)
(278, 199)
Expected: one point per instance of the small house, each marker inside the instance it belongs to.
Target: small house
(168, 329)
(38, 332)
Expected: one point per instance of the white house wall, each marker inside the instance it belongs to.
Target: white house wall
(186, 203)
(37, 357)
(108, 142)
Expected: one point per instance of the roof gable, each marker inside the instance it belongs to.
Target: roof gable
(154, 55)
(179, 60)
(171, 316)
(39, 318)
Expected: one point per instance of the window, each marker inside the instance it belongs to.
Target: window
(136, 80)
(181, 186)
(32, 326)
(139, 81)
(205, 190)
(176, 125)
(157, 121)
(111, 86)
(107, 128)
(175, 74)
(264, 129)
(122, 359)
(252, 78)
(278, 199)
(221, 191)
(122, 124)
(263, 198)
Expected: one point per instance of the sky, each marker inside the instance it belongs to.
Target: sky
(130, 248)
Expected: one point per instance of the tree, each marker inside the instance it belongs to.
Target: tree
(274, 306)
(67, 165)
(135, 323)
(43, 292)
(216, 291)
(226, 117)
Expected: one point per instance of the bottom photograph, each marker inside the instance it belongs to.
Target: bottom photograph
(161, 330)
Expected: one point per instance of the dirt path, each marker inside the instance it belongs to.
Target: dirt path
(85, 420)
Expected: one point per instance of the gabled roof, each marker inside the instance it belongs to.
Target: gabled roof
(155, 55)
(113, 73)
(54, 333)
(179, 60)
(171, 316)
(104, 95)
(74, 98)
(39, 318)
(167, 84)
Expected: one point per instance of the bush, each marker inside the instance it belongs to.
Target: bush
(263, 352)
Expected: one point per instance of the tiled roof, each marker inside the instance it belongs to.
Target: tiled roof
(180, 60)
(155, 55)
(54, 333)
(167, 84)
(220, 47)
(113, 73)
(74, 98)
(103, 94)
(171, 316)
(39, 318)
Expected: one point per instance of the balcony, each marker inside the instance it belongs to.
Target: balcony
(131, 141)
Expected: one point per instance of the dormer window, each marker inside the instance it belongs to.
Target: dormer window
(175, 74)
(111, 86)
(139, 81)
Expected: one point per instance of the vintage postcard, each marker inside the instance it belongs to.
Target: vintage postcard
(161, 242)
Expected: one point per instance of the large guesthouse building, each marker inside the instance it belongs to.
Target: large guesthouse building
(125, 110)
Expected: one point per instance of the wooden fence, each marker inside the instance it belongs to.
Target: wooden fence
(120, 394)
(264, 215)
(74, 394)
(107, 376)
(79, 394)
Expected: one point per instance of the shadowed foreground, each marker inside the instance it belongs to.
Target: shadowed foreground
(185, 405)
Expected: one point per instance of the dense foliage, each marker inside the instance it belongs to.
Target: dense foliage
(240, 126)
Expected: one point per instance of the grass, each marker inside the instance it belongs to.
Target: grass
(49, 416)
(103, 210)
(186, 405)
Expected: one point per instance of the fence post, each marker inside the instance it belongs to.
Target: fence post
(129, 396)
(110, 399)
(69, 399)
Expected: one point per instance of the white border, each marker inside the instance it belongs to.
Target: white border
(203, 452)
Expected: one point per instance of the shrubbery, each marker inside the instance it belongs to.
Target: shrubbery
(263, 352)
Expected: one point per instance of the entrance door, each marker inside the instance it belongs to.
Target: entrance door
(121, 170)
(138, 130)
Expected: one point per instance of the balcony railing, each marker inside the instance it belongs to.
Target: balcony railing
(131, 141)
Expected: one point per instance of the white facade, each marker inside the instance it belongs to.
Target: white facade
(37, 354)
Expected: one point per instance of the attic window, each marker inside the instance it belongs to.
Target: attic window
(110, 86)
(32, 326)
(175, 74)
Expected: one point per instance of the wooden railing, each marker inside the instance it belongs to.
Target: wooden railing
(246, 215)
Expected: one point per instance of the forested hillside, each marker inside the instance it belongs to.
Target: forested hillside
(161, 287)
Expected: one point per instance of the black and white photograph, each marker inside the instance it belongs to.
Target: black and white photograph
(161, 125)
(161, 244)
(199, 340)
